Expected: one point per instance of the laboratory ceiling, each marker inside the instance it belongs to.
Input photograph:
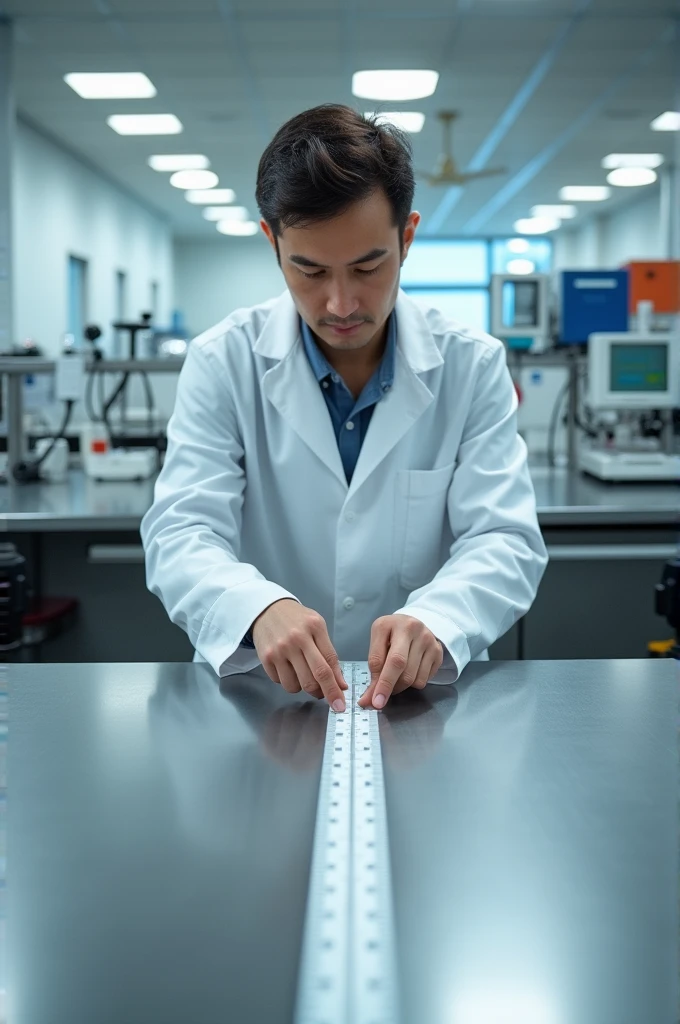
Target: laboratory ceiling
(546, 88)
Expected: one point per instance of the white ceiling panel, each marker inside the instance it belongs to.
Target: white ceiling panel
(234, 70)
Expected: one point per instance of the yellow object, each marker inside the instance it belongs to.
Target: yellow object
(660, 648)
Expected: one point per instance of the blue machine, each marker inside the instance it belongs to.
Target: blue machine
(592, 302)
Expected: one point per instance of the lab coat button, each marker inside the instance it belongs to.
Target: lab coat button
(348, 603)
(350, 516)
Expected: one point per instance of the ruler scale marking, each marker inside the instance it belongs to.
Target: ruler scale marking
(347, 969)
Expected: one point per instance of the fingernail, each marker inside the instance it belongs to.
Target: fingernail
(379, 701)
(338, 705)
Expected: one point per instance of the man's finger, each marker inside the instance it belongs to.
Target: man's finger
(288, 677)
(325, 677)
(395, 664)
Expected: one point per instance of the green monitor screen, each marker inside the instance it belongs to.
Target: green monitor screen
(638, 368)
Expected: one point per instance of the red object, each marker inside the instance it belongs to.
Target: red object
(518, 391)
(49, 610)
(99, 447)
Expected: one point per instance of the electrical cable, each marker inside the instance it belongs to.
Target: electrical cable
(28, 471)
(554, 417)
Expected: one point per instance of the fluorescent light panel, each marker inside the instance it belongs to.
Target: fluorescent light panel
(194, 179)
(217, 213)
(536, 225)
(520, 266)
(615, 160)
(206, 196)
(631, 177)
(237, 228)
(407, 120)
(179, 162)
(126, 85)
(667, 122)
(585, 193)
(518, 245)
(145, 124)
(394, 85)
(561, 211)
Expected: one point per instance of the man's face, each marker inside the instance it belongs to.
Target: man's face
(343, 273)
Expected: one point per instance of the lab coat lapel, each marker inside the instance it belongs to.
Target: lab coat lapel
(409, 397)
(294, 391)
(292, 388)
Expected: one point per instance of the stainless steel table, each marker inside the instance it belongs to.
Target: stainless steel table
(160, 833)
(564, 498)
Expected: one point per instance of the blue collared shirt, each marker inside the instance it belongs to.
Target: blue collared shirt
(350, 417)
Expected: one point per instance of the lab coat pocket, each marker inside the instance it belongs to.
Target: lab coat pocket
(419, 523)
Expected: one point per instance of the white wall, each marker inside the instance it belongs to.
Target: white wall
(62, 207)
(214, 278)
(630, 232)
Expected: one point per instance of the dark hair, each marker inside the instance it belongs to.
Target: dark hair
(325, 159)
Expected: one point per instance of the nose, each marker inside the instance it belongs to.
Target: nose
(340, 302)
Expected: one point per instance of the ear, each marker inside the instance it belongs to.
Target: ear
(269, 233)
(409, 233)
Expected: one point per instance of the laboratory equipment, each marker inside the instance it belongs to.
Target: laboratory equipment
(592, 301)
(656, 281)
(520, 313)
(668, 600)
(633, 379)
(103, 463)
(14, 596)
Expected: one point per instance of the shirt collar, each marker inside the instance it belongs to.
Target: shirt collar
(323, 369)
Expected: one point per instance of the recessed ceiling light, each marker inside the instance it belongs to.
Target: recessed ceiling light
(536, 225)
(194, 179)
(145, 124)
(521, 267)
(236, 227)
(629, 177)
(667, 122)
(407, 120)
(561, 211)
(518, 245)
(225, 213)
(210, 195)
(127, 85)
(394, 85)
(179, 162)
(585, 193)
(615, 160)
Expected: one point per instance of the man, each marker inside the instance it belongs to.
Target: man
(344, 479)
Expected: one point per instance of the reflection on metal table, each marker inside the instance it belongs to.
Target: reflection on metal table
(564, 498)
(161, 829)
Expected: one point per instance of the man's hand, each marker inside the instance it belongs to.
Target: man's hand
(293, 644)
(403, 653)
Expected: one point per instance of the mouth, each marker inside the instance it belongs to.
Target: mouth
(345, 331)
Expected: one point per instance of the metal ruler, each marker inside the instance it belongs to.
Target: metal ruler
(348, 966)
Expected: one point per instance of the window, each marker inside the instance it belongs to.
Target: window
(454, 274)
(77, 298)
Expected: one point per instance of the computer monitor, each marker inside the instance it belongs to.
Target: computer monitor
(519, 305)
(634, 371)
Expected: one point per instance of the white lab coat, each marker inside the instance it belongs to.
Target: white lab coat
(252, 504)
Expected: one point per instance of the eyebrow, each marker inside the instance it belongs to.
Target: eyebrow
(374, 254)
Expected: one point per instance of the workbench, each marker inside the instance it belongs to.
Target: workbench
(161, 829)
(607, 542)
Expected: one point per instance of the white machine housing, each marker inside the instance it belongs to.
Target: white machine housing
(536, 313)
(602, 392)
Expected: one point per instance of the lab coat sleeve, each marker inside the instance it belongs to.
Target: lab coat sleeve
(191, 533)
(498, 556)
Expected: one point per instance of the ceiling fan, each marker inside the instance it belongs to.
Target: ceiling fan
(446, 169)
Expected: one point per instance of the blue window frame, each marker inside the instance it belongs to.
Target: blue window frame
(454, 274)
